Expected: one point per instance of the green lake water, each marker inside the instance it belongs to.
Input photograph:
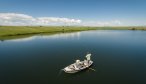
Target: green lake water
(119, 58)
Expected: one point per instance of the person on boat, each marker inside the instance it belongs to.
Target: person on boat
(77, 65)
(88, 56)
(88, 59)
(86, 63)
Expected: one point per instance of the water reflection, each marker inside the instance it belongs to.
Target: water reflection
(23, 39)
(55, 36)
(63, 35)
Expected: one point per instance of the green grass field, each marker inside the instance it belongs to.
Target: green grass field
(20, 31)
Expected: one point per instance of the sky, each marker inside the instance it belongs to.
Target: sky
(73, 12)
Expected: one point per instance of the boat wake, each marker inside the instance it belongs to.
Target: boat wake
(59, 74)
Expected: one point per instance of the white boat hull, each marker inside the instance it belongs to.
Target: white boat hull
(71, 69)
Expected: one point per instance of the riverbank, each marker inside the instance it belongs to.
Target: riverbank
(7, 32)
(25, 30)
(12, 32)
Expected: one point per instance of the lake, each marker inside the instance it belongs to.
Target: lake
(119, 58)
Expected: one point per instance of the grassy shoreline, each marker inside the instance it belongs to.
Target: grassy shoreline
(25, 30)
(12, 32)
(20, 31)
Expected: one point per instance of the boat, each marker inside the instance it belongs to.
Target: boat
(79, 65)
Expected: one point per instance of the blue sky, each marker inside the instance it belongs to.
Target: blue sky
(90, 12)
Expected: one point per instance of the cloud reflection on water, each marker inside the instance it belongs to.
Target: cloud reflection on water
(55, 36)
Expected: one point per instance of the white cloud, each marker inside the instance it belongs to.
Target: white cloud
(23, 19)
(102, 23)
